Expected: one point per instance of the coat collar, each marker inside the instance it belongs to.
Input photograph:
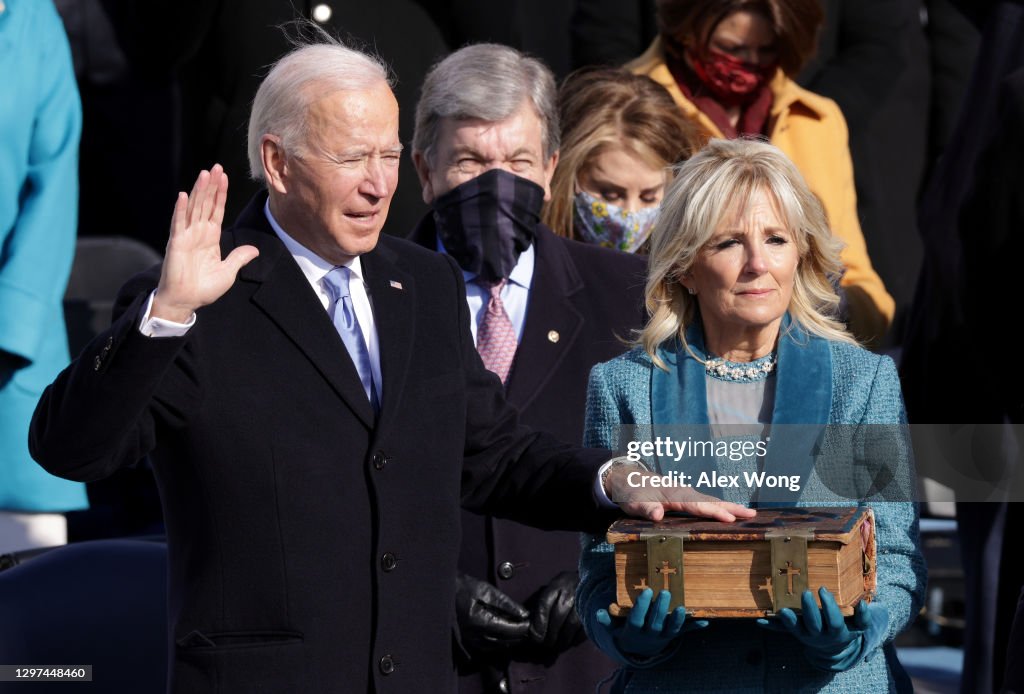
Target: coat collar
(393, 293)
(786, 93)
(284, 295)
(803, 396)
(553, 321)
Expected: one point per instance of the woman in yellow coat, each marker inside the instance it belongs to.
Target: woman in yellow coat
(727, 64)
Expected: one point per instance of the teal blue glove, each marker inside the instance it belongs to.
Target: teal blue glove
(829, 644)
(648, 630)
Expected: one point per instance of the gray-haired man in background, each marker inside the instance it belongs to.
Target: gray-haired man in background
(543, 311)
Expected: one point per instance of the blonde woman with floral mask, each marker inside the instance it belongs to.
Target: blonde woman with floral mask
(621, 134)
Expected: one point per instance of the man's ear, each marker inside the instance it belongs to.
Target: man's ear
(419, 160)
(275, 163)
(549, 172)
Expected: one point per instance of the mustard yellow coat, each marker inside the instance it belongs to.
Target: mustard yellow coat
(811, 131)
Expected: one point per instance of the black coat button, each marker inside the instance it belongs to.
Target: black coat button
(506, 570)
(388, 561)
(380, 460)
(386, 665)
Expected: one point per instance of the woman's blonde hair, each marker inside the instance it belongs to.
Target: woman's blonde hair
(713, 183)
(602, 107)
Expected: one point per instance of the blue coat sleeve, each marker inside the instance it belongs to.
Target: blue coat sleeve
(900, 565)
(41, 121)
(596, 590)
(39, 204)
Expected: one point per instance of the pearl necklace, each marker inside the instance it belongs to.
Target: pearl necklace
(741, 372)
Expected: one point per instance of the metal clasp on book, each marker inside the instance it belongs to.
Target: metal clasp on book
(665, 568)
(789, 568)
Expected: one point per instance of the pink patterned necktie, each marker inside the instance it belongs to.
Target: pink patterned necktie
(496, 337)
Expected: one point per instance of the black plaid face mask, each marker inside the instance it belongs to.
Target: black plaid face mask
(487, 222)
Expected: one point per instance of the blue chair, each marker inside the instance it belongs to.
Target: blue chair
(101, 603)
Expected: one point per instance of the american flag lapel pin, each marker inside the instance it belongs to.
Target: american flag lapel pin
(395, 284)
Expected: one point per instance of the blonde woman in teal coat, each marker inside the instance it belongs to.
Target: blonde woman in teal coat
(740, 297)
(40, 123)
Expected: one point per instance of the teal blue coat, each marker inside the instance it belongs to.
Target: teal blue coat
(40, 123)
(818, 382)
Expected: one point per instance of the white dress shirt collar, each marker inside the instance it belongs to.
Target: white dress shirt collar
(315, 269)
(313, 266)
(515, 296)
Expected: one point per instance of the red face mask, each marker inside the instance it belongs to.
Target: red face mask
(732, 81)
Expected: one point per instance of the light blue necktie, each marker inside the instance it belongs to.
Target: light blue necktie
(347, 325)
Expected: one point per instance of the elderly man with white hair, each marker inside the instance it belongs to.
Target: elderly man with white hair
(314, 409)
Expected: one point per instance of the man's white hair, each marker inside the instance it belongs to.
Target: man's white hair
(306, 74)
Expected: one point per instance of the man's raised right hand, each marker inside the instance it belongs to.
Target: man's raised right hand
(194, 274)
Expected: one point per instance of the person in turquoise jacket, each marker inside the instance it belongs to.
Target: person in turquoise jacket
(741, 342)
(40, 124)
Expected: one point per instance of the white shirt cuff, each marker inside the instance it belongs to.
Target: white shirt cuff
(599, 494)
(159, 327)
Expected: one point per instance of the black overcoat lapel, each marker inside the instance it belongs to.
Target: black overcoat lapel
(553, 322)
(393, 294)
(284, 295)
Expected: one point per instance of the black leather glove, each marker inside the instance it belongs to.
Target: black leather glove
(554, 625)
(490, 622)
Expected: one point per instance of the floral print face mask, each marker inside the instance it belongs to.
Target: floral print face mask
(610, 226)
